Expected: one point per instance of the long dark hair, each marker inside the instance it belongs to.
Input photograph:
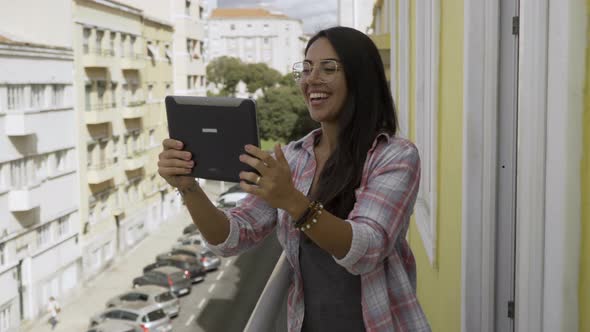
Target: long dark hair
(368, 110)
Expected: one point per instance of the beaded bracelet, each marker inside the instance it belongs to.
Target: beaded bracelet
(310, 217)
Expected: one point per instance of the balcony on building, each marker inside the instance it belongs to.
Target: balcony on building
(24, 199)
(194, 28)
(22, 123)
(100, 113)
(132, 61)
(98, 57)
(134, 109)
(100, 172)
(134, 161)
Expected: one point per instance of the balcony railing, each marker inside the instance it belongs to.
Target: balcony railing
(100, 172)
(100, 113)
(134, 109)
(270, 313)
(132, 61)
(97, 58)
(24, 199)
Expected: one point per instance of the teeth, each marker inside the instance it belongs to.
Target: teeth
(316, 95)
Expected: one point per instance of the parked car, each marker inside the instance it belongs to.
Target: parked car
(114, 326)
(231, 197)
(148, 317)
(192, 267)
(190, 228)
(166, 276)
(151, 294)
(188, 239)
(209, 259)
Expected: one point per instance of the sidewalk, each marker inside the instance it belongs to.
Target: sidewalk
(91, 298)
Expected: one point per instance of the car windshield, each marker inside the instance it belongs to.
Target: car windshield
(164, 297)
(177, 276)
(154, 315)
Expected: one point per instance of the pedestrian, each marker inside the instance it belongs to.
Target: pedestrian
(54, 309)
(340, 198)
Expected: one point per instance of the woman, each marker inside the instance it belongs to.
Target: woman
(341, 197)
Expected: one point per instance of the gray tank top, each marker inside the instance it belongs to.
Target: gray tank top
(332, 295)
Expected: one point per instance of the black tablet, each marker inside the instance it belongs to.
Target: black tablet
(214, 130)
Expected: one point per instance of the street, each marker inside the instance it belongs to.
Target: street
(224, 301)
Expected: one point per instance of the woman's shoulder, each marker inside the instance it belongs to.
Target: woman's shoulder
(392, 148)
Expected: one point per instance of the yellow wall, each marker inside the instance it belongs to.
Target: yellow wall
(439, 289)
(584, 290)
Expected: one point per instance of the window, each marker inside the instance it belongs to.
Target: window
(427, 55)
(249, 25)
(16, 97)
(132, 46)
(57, 96)
(153, 137)
(5, 318)
(266, 27)
(189, 83)
(2, 254)
(187, 8)
(202, 81)
(63, 226)
(168, 53)
(88, 96)
(168, 88)
(232, 27)
(265, 41)
(37, 96)
(101, 87)
(43, 235)
(85, 40)
(22, 173)
(92, 216)
(112, 43)
(113, 94)
(122, 41)
(98, 45)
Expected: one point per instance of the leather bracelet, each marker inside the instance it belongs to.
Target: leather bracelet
(311, 219)
(305, 214)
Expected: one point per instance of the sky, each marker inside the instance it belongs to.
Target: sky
(315, 14)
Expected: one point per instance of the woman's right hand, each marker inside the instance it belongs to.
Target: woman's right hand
(174, 164)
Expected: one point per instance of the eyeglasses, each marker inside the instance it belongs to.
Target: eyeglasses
(327, 70)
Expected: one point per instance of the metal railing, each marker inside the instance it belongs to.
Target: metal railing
(270, 313)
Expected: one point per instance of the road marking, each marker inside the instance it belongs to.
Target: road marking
(228, 263)
(220, 275)
(211, 288)
(190, 320)
(202, 303)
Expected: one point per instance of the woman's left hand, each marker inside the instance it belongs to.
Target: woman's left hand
(274, 184)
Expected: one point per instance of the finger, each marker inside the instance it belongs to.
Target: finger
(173, 171)
(170, 143)
(280, 155)
(250, 188)
(175, 154)
(176, 163)
(262, 155)
(255, 163)
(251, 177)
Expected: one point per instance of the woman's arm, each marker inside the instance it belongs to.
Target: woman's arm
(380, 214)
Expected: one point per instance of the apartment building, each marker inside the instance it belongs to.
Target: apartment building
(188, 47)
(256, 35)
(357, 13)
(40, 252)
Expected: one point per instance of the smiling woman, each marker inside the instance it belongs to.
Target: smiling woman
(340, 197)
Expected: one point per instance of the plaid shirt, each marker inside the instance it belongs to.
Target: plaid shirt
(380, 218)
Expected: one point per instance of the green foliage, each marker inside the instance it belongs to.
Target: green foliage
(260, 76)
(226, 71)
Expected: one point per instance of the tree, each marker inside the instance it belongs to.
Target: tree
(260, 76)
(278, 111)
(227, 72)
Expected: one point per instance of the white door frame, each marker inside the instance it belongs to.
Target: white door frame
(480, 106)
(550, 136)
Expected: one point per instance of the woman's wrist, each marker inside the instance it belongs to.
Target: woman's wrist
(298, 205)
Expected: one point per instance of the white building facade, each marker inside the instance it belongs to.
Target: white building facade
(356, 14)
(256, 35)
(40, 253)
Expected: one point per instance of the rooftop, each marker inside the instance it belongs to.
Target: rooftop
(245, 13)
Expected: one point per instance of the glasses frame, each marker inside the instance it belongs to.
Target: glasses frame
(299, 77)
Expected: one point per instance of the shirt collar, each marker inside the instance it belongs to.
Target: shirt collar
(309, 140)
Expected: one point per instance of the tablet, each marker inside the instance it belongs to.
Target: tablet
(214, 130)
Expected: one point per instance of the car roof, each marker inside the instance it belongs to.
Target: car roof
(138, 307)
(167, 269)
(148, 289)
(182, 258)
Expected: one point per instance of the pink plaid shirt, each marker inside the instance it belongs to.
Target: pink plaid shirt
(380, 218)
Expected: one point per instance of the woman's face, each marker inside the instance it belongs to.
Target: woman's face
(324, 98)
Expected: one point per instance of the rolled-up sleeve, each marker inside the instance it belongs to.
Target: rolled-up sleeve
(249, 223)
(383, 207)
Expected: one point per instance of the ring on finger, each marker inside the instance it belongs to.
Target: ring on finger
(257, 180)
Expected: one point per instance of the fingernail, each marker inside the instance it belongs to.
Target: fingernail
(247, 147)
(179, 144)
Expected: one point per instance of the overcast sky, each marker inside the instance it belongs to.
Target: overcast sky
(315, 14)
